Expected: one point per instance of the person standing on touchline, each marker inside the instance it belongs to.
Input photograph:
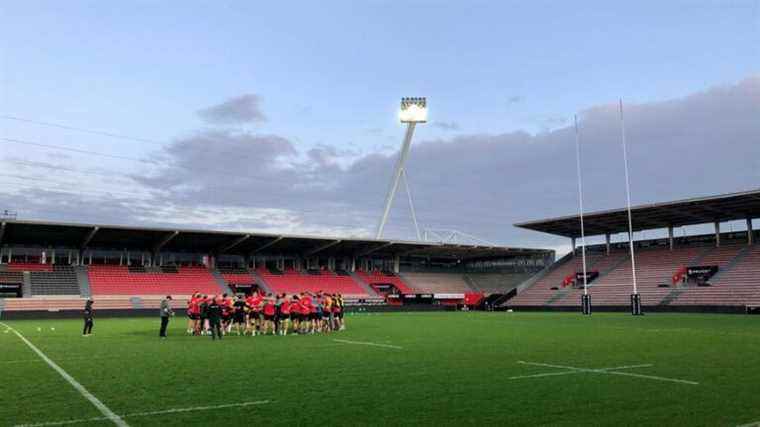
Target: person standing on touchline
(166, 313)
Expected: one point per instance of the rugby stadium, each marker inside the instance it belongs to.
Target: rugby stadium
(191, 231)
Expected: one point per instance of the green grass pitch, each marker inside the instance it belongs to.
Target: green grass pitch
(431, 369)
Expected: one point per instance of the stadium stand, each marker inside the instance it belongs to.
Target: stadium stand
(377, 277)
(29, 266)
(654, 267)
(60, 280)
(129, 268)
(14, 277)
(236, 276)
(496, 283)
(122, 280)
(739, 284)
(437, 283)
(291, 281)
(549, 288)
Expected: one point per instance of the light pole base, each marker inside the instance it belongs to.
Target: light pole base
(636, 305)
(586, 304)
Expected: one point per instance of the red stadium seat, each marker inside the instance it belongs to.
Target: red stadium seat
(118, 280)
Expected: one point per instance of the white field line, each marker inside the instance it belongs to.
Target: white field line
(575, 371)
(645, 365)
(755, 424)
(147, 414)
(369, 343)
(611, 372)
(550, 374)
(66, 359)
(105, 410)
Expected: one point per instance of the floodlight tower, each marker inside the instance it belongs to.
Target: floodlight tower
(413, 111)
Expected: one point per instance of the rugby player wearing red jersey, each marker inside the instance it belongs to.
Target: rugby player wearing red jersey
(227, 311)
(269, 312)
(250, 316)
(192, 317)
(257, 321)
(307, 323)
(285, 315)
(337, 311)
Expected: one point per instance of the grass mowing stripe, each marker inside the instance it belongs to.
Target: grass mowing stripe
(149, 413)
(369, 344)
(105, 410)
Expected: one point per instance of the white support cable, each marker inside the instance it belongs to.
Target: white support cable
(628, 196)
(580, 203)
(411, 204)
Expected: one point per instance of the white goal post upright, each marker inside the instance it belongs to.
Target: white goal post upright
(585, 299)
(635, 297)
(413, 111)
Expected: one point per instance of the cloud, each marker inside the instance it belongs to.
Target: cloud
(481, 184)
(238, 110)
(446, 126)
(553, 122)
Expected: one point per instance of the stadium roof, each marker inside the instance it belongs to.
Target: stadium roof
(702, 210)
(114, 237)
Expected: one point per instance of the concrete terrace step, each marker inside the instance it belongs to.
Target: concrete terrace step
(27, 286)
(363, 284)
(83, 279)
(220, 281)
(263, 285)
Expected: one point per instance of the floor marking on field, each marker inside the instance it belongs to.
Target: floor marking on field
(607, 371)
(105, 410)
(576, 371)
(149, 413)
(67, 359)
(755, 424)
(369, 343)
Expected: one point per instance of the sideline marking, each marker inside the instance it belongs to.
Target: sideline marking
(147, 414)
(755, 424)
(607, 371)
(369, 343)
(67, 359)
(105, 410)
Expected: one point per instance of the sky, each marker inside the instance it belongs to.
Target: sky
(282, 116)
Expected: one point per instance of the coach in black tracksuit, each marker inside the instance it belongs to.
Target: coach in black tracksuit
(214, 313)
(87, 318)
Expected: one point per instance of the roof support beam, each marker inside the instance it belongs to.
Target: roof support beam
(232, 244)
(700, 219)
(323, 247)
(2, 232)
(89, 237)
(169, 237)
(266, 245)
(376, 248)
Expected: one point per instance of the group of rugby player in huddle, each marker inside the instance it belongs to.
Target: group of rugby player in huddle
(259, 314)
